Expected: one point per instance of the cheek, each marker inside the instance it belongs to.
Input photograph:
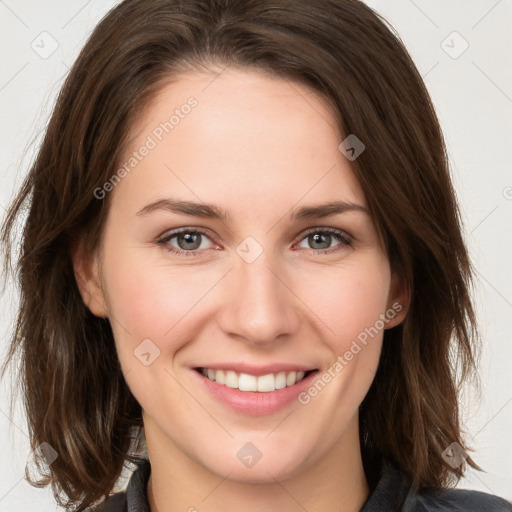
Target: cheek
(350, 303)
(155, 309)
(149, 299)
(347, 299)
(351, 309)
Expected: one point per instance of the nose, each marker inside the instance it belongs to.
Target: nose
(259, 306)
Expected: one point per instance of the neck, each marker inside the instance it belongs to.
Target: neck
(336, 482)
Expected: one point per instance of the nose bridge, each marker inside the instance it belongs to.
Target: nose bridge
(259, 307)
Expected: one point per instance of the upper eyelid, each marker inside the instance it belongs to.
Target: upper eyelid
(326, 229)
(174, 232)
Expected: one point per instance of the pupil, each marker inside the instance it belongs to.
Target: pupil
(189, 238)
(317, 236)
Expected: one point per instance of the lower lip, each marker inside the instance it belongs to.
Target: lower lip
(255, 403)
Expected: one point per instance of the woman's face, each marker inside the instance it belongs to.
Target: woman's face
(275, 283)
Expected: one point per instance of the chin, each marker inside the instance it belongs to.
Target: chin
(266, 466)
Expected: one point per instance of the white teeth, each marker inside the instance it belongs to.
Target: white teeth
(266, 383)
(220, 377)
(291, 378)
(281, 380)
(246, 382)
(231, 379)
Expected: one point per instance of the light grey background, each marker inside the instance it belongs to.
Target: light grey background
(472, 91)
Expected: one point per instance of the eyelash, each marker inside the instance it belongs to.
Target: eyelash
(344, 238)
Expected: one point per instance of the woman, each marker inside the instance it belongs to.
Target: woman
(177, 311)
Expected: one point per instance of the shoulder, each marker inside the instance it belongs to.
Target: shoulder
(114, 503)
(441, 500)
(395, 491)
(134, 498)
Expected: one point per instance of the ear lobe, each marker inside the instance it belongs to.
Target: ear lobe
(399, 300)
(87, 274)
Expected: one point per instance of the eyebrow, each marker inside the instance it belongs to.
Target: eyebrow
(211, 211)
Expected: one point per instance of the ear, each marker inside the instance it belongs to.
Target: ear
(399, 300)
(87, 274)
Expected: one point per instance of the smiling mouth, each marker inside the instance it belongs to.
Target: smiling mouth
(262, 383)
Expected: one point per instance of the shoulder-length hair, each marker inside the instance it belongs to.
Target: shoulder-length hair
(75, 396)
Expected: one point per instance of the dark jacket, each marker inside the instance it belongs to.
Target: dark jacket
(393, 492)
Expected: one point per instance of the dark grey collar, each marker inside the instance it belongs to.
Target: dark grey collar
(393, 492)
(390, 493)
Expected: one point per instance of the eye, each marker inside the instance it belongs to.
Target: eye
(321, 239)
(189, 242)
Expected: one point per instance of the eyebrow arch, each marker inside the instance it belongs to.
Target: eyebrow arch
(327, 210)
(185, 207)
(214, 212)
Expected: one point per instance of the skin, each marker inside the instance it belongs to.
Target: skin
(259, 147)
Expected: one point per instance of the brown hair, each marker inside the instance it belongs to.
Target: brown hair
(75, 395)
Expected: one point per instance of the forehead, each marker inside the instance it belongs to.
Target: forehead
(249, 131)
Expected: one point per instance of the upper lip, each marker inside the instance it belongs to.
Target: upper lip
(256, 370)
